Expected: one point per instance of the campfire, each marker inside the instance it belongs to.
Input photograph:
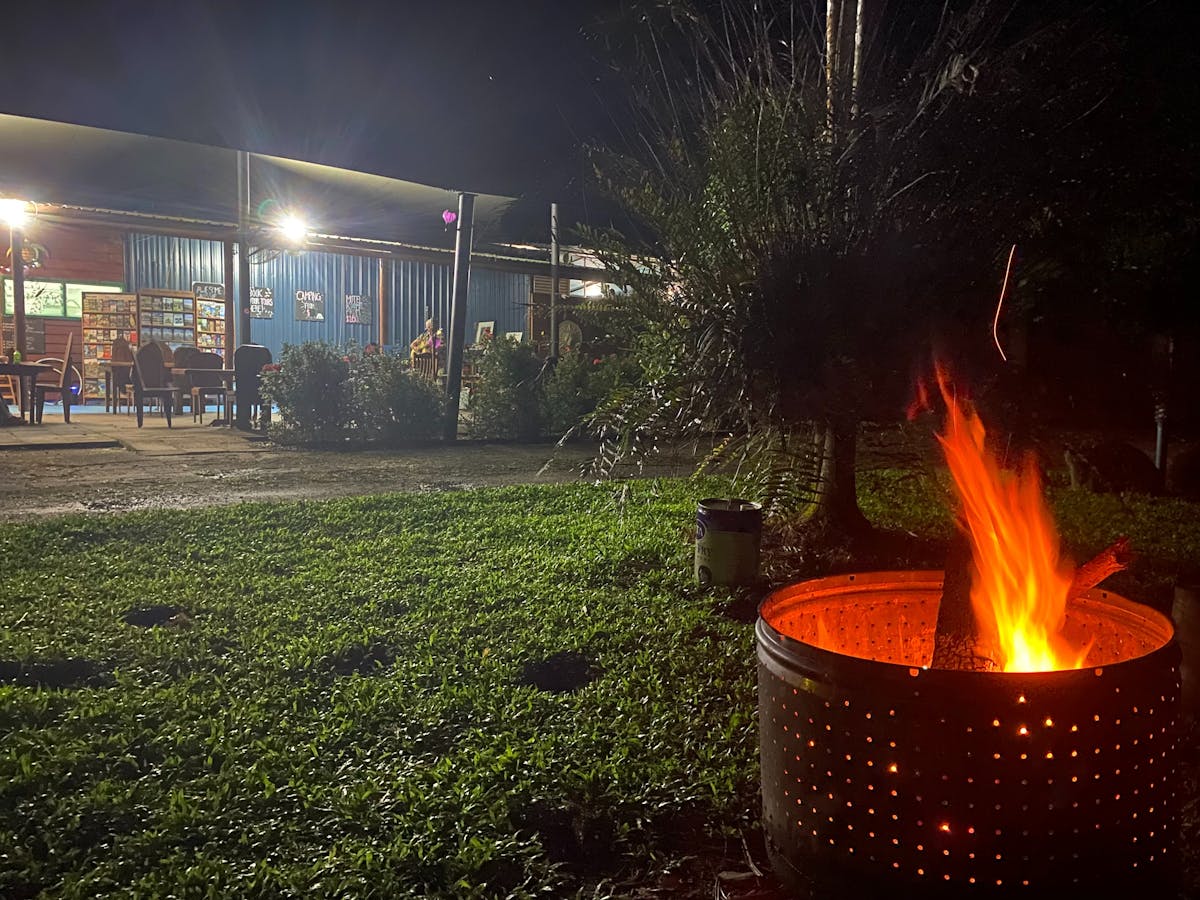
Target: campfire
(1004, 727)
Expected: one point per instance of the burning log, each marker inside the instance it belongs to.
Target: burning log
(1109, 561)
(957, 643)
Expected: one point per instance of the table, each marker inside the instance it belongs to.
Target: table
(27, 373)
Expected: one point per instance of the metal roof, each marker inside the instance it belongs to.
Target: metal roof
(81, 166)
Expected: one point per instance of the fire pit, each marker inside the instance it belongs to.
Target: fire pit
(882, 777)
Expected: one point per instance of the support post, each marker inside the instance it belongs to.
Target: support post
(554, 282)
(458, 311)
(228, 266)
(243, 269)
(385, 271)
(16, 245)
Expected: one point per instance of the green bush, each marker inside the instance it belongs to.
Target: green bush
(578, 384)
(326, 394)
(507, 402)
(391, 403)
(310, 385)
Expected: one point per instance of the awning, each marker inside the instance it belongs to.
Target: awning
(76, 165)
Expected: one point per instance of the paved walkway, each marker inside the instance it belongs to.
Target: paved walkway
(92, 428)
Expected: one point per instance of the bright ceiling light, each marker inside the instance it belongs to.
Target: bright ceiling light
(293, 228)
(14, 212)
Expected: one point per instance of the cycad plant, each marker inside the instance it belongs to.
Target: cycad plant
(797, 176)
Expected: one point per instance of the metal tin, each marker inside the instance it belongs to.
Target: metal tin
(728, 533)
(881, 777)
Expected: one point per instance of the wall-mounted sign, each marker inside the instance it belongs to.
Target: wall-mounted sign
(207, 290)
(358, 310)
(262, 303)
(310, 306)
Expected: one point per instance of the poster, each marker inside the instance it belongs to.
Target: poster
(310, 306)
(358, 310)
(262, 303)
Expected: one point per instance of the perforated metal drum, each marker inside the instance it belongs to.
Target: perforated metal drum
(883, 778)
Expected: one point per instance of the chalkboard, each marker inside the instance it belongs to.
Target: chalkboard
(310, 306)
(207, 290)
(358, 309)
(35, 335)
(262, 303)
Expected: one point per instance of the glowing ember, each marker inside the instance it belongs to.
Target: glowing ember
(1020, 583)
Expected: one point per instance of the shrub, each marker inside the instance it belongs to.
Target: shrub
(578, 384)
(311, 388)
(507, 402)
(391, 403)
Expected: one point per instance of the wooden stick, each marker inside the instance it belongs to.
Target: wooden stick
(1109, 561)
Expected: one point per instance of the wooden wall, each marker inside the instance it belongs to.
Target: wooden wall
(74, 252)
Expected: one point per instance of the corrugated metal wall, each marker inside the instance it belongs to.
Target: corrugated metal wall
(334, 275)
(421, 289)
(417, 290)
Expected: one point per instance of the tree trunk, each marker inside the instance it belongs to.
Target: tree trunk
(836, 507)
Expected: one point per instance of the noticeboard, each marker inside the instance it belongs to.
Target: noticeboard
(310, 306)
(262, 303)
(358, 309)
(35, 335)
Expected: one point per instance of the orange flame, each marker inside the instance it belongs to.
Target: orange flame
(1020, 584)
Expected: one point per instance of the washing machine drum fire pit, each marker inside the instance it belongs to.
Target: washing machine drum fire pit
(882, 778)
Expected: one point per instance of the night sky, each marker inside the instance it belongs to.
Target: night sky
(486, 96)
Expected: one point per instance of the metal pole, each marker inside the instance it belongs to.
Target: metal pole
(243, 287)
(554, 282)
(229, 267)
(16, 246)
(385, 270)
(458, 311)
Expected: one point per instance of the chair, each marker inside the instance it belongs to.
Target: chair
(203, 385)
(425, 365)
(150, 382)
(61, 386)
(10, 391)
(120, 377)
(248, 361)
(184, 358)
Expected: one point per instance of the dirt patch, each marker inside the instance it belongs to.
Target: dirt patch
(56, 673)
(561, 673)
(160, 615)
(365, 659)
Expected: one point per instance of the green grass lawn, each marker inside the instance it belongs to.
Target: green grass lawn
(342, 707)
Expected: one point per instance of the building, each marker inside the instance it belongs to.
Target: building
(111, 212)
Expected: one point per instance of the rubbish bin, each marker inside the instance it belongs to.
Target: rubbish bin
(727, 538)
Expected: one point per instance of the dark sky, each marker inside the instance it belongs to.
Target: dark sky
(487, 96)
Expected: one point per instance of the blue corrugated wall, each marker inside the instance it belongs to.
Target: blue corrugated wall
(417, 289)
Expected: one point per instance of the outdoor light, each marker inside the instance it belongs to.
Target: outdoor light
(14, 212)
(595, 289)
(293, 228)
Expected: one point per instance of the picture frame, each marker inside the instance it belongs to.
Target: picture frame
(517, 336)
(484, 330)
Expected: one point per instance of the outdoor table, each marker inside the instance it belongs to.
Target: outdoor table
(27, 374)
